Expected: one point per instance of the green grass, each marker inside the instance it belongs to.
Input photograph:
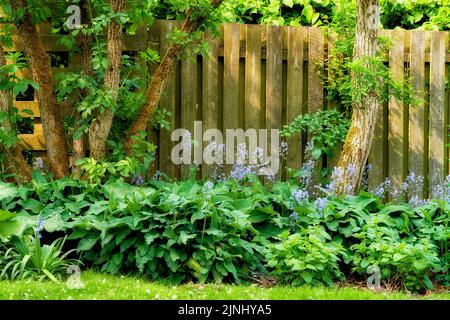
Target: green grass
(106, 287)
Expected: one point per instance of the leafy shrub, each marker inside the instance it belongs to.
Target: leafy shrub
(412, 264)
(309, 257)
(173, 231)
(328, 129)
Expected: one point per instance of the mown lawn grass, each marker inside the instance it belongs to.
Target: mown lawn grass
(106, 287)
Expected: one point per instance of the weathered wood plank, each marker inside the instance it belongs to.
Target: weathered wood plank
(437, 116)
(294, 106)
(210, 80)
(274, 85)
(253, 107)
(396, 113)
(333, 60)
(315, 65)
(231, 78)
(416, 157)
(316, 60)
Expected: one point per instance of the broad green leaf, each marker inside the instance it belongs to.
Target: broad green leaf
(427, 282)
(32, 205)
(398, 257)
(7, 191)
(307, 276)
(184, 237)
(88, 242)
(5, 215)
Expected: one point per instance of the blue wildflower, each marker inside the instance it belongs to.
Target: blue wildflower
(320, 204)
(157, 175)
(208, 185)
(300, 195)
(294, 216)
(40, 227)
(137, 180)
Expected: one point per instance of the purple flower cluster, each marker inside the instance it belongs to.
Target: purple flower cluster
(137, 180)
(338, 181)
(218, 175)
(300, 195)
(307, 170)
(242, 154)
(209, 185)
(294, 219)
(240, 171)
(441, 190)
(40, 227)
(382, 189)
(320, 204)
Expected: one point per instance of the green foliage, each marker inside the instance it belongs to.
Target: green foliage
(307, 257)
(347, 80)
(412, 263)
(227, 231)
(9, 81)
(143, 154)
(26, 258)
(327, 130)
(412, 14)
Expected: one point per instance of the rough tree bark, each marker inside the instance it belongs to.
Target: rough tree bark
(41, 71)
(159, 79)
(13, 155)
(101, 126)
(359, 139)
(85, 43)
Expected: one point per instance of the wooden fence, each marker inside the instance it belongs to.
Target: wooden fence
(264, 76)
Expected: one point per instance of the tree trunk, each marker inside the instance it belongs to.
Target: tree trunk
(13, 155)
(100, 128)
(159, 79)
(359, 139)
(85, 43)
(41, 70)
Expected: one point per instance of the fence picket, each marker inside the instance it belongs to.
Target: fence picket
(437, 115)
(210, 97)
(396, 113)
(296, 37)
(416, 113)
(262, 76)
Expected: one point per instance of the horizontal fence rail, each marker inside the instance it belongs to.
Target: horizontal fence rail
(264, 76)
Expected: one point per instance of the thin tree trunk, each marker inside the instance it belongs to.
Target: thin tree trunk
(13, 155)
(159, 79)
(359, 139)
(85, 43)
(100, 128)
(41, 71)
